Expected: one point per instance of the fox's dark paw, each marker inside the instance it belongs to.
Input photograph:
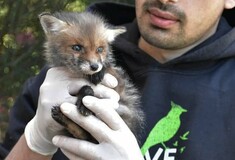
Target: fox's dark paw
(84, 91)
(84, 111)
(72, 128)
(58, 116)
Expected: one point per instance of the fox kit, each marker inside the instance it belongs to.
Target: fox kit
(81, 42)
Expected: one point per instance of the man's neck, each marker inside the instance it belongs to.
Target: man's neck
(163, 55)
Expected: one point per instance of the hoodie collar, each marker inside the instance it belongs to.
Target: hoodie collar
(213, 48)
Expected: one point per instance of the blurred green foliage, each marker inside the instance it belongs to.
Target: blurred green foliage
(21, 44)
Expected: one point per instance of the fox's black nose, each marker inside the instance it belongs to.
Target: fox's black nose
(94, 66)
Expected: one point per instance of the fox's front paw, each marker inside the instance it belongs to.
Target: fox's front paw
(84, 91)
(72, 128)
(84, 111)
(58, 116)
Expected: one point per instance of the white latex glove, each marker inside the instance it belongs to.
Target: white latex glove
(56, 89)
(116, 141)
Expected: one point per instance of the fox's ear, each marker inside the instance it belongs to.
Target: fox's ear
(51, 24)
(114, 32)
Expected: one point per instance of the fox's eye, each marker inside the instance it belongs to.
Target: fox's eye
(99, 50)
(77, 48)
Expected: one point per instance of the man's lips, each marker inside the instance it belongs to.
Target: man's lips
(162, 19)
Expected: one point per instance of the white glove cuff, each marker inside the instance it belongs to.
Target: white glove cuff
(36, 141)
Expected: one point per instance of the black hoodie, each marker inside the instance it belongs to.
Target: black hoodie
(188, 101)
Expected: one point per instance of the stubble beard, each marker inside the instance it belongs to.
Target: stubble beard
(163, 38)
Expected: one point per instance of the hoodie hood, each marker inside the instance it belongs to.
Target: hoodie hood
(219, 46)
(114, 13)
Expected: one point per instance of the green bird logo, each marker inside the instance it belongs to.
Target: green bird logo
(165, 128)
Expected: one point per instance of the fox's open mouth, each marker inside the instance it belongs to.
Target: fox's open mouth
(97, 77)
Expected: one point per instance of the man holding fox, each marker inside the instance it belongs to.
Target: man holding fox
(179, 54)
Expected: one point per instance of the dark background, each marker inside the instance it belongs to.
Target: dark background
(21, 44)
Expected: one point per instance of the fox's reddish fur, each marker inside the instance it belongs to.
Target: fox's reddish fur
(81, 42)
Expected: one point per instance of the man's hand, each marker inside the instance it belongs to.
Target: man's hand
(58, 87)
(115, 140)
